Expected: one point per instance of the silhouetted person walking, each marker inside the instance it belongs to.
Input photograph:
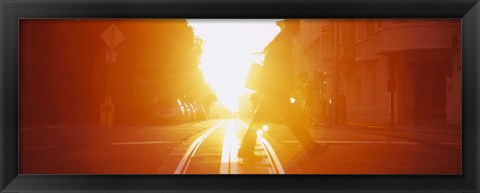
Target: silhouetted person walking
(276, 86)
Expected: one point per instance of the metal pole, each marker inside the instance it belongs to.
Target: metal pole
(337, 70)
(392, 108)
(392, 95)
(109, 81)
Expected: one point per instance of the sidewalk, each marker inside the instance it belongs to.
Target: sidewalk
(417, 128)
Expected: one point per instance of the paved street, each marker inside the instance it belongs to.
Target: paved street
(210, 147)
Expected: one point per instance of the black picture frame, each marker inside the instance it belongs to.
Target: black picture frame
(12, 10)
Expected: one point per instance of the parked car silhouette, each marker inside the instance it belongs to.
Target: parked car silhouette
(190, 111)
(201, 112)
(171, 111)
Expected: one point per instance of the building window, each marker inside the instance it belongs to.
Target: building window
(327, 46)
(347, 39)
(357, 31)
(318, 48)
(374, 86)
(358, 90)
(370, 28)
(379, 24)
(312, 52)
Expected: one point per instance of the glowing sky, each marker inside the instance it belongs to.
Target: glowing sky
(228, 52)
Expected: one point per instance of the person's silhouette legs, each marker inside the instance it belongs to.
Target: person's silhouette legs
(250, 138)
(293, 118)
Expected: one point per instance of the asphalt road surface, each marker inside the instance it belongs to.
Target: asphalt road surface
(211, 147)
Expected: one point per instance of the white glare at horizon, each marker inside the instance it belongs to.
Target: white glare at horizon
(228, 52)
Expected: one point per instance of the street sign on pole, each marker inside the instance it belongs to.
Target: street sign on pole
(112, 36)
(107, 111)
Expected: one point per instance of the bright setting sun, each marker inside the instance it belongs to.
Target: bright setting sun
(230, 47)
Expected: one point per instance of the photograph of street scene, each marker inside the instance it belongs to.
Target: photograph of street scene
(240, 96)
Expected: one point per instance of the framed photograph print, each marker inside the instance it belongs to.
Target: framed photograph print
(239, 96)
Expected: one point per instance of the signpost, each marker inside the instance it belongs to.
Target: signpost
(392, 88)
(112, 37)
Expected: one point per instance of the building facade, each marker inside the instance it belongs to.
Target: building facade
(384, 71)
